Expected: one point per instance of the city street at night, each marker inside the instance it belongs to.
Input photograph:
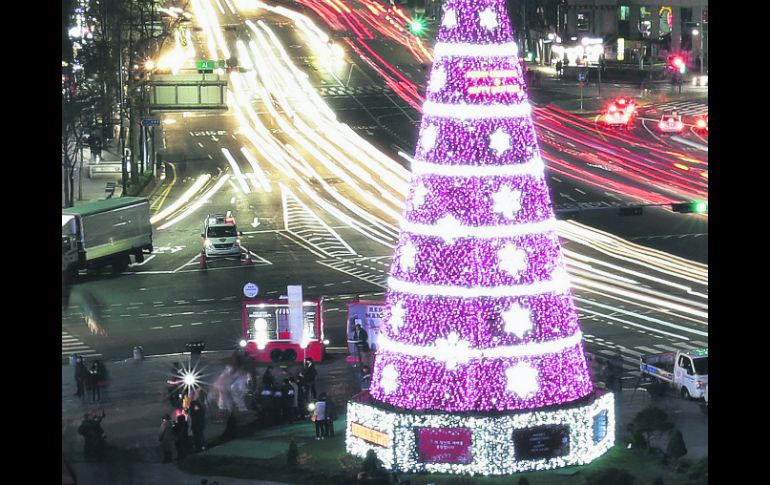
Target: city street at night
(425, 158)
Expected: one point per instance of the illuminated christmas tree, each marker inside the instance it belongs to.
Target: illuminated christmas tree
(481, 346)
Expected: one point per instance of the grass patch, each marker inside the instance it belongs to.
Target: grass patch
(326, 462)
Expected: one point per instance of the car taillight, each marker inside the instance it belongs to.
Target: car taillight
(613, 107)
(699, 384)
(662, 124)
(701, 123)
(608, 117)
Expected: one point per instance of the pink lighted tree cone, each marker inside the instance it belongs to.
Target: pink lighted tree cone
(479, 311)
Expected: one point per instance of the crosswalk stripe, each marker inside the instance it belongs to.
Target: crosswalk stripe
(698, 342)
(666, 347)
(647, 349)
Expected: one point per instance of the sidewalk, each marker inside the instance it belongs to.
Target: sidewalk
(93, 188)
(136, 401)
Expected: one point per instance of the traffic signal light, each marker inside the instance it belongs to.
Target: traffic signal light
(417, 26)
(692, 207)
(677, 63)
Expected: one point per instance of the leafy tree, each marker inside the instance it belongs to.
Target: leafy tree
(648, 422)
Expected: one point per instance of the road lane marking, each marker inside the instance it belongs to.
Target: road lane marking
(175, 326)
(666, 347)
(197, 323)
(155, 328)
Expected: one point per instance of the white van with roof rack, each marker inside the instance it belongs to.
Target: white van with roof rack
(221, 237)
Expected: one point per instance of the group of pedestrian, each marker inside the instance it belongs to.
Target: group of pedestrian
(94, 379)
(188, 402)
(284, 400)
(324, 415)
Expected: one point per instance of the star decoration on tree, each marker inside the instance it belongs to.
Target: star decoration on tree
(397, 314)
(389, 379)
(407, 258)
(507, 201)
(418, 199)
(488, 19)
(448, 226)
(450, 19)
(513, 260)
(453, 349)
(429, 136)
(500, 141)
(438, 80)
(517, 320)
(522, 380)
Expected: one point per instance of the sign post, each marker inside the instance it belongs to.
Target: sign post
(250, 290)
(582, 76)
(296, 327)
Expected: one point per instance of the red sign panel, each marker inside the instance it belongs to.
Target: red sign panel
(445, 445)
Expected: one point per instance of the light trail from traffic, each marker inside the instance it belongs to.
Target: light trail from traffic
(629, 279)
(651, 176)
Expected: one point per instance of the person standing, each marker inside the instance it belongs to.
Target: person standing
(81, 375)
(93, 434)
(197, 424)
(93, 382)
(308, 375)
(268, 380)
(319, 416)
(166, 438)
(288, 396)
(361, 339)
(101, 377)
(559, 66)
(331, 415)
(181, 437)
(365, 378)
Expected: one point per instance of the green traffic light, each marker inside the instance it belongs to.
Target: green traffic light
(416, 26)
(700, 207)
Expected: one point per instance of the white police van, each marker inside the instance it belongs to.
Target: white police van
(221, 237)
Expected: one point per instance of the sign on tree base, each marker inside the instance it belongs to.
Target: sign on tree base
(482, 443)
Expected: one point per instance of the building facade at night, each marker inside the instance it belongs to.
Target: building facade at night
(648, 29)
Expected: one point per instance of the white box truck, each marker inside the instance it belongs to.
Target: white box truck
(687, 372)
(106, 232)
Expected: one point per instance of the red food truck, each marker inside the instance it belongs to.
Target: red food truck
(267, 335)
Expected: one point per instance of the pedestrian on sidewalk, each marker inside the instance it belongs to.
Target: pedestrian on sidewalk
(559, 66)
(319, 417)
(181, 437)
(93, 382)
(308, 375)
(81, 375)
(268, 380)
(166, 438)
(361, 341)
(331, 416)
(365, 378)
(289, 400)
(197, 424)
(93, 434)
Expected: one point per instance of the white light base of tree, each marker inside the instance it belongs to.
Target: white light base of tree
(482, 444)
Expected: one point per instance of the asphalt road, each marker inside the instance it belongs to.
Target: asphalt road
(315, 228)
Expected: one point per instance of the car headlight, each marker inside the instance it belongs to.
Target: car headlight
(238, 241)
(207, 243)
